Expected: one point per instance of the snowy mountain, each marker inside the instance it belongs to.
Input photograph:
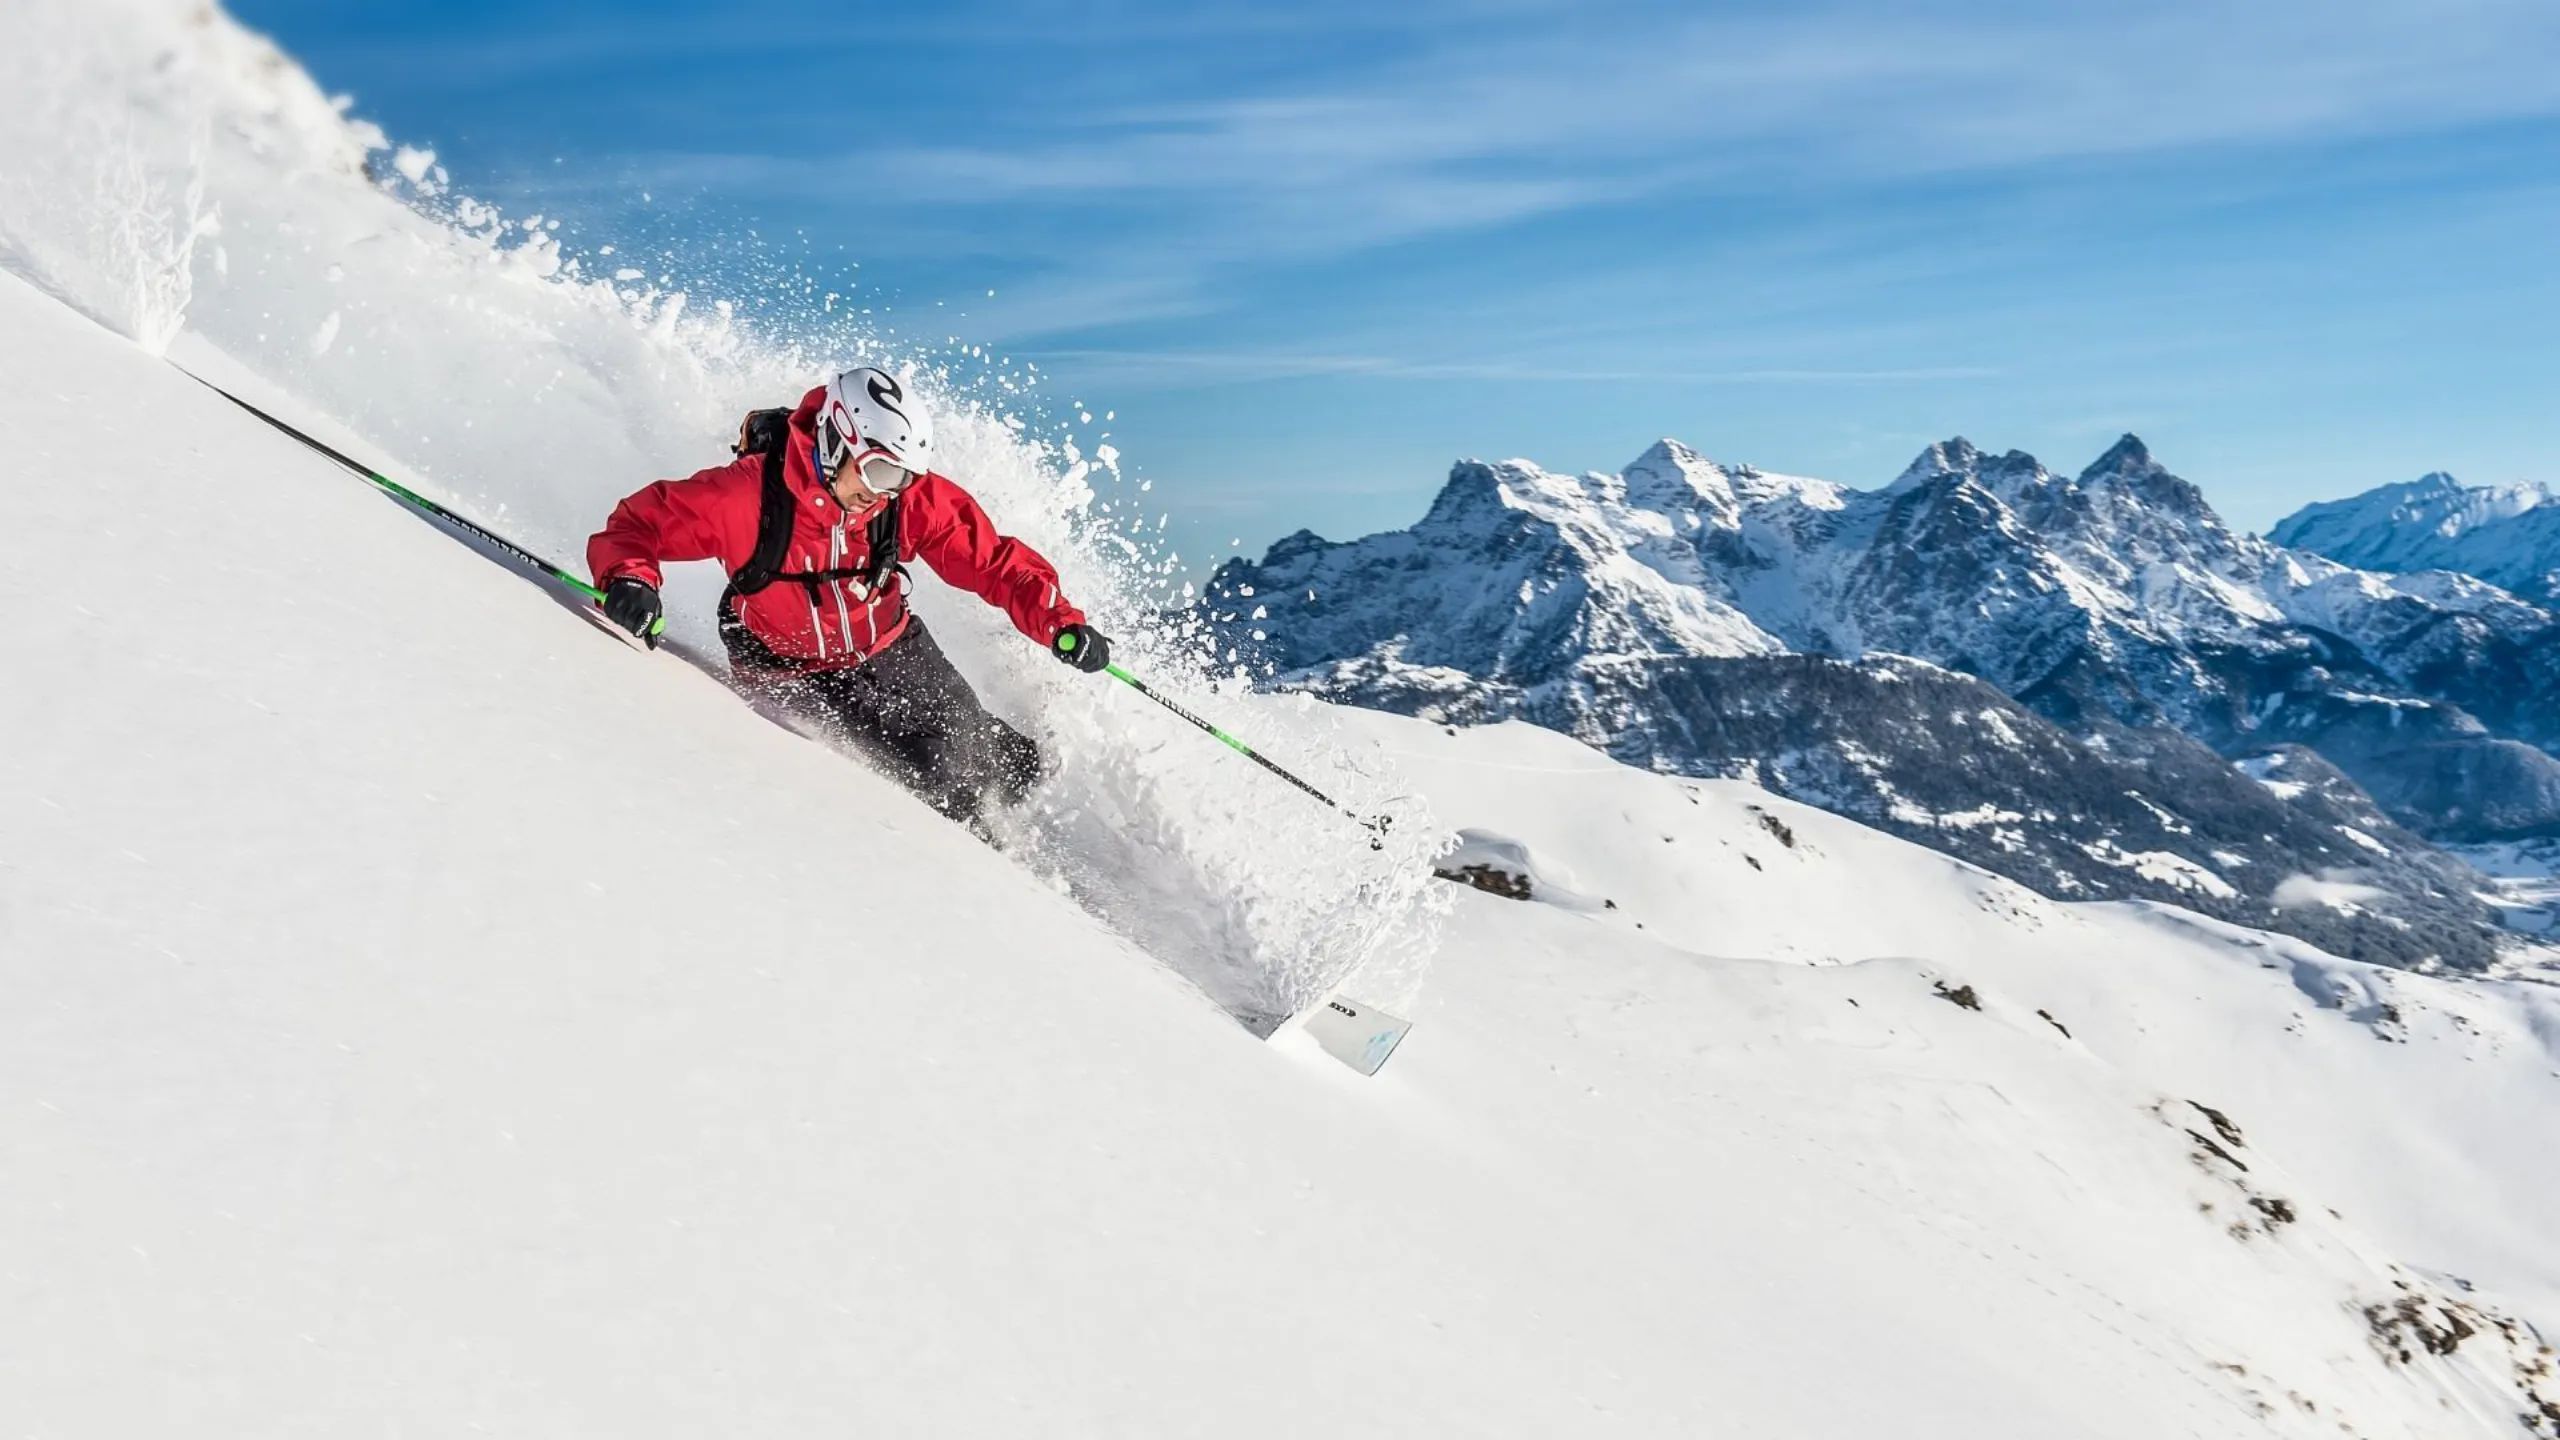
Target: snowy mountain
(1643, 611)
(427, 1013)
(2508, 535)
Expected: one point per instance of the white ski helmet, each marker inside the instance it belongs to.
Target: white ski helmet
(869, 418)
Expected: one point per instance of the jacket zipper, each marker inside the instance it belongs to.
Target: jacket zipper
(817, 627)
(844, 621)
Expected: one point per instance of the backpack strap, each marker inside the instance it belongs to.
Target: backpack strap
(882, 537)
(774, 519)
(773, 527)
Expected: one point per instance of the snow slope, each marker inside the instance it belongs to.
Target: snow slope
(425, 1013)
(266, 241)
(2388, 1117)
(445, 1015)
(454, 1018)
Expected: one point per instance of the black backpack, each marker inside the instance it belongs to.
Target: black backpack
(766, 433)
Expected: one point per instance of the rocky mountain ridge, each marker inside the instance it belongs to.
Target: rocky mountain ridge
(2140, 641)
(2508, 535)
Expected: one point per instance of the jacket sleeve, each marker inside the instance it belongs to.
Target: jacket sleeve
(961, 544)
(695, 518)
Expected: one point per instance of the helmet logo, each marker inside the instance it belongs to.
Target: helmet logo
(885, 393)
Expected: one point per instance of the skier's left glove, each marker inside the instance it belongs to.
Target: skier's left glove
(633, 605)
(1082, 646)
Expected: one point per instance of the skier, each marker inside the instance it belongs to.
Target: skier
(811, 522)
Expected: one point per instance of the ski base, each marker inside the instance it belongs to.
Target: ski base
(1358, 1035)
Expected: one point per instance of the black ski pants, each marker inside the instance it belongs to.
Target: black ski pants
(912, 713)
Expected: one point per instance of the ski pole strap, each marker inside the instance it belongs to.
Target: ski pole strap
(412, 498)
(1377, 824)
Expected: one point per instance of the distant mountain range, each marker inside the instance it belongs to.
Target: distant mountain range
(2045, 674)
(2508, 535)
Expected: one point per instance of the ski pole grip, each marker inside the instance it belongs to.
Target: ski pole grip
(656, 627)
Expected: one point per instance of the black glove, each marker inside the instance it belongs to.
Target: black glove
(633, 605)
(1082, 646)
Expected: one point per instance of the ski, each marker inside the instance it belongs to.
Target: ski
(1360, 1036)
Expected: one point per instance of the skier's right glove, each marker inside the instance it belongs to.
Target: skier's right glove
(633, 605)
(1082, 646)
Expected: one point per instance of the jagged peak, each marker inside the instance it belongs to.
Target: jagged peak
(1476, 488)
(1954, 455)
(1470, 486)
(1668, 451)
(2129, 469)
(2360, 528)
(2434, 485)
(2523, 494)
(1671, 474)
(2512, 498)
(2128, 456)
(1298, 541)
(1954, 498)
(2006, 475)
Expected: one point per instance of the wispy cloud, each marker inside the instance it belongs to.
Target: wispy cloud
(1556, 117)
(1437, 120)
(1562, 110)
(536, 44)
(1174, 369)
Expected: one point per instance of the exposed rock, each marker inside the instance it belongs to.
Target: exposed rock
(1725, 620)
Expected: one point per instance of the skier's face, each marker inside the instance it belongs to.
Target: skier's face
(850, 492)
(865, 478)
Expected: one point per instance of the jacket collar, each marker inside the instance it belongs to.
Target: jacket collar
(800, 453)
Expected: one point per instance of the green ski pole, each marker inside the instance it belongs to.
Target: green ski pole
(412, 498)
(1376, 825)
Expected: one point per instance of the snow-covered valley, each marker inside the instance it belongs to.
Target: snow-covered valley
(422, 1012)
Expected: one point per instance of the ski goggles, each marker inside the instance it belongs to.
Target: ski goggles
(879, 470)
(880, 474)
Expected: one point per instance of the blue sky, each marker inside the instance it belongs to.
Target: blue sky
(1310, 254)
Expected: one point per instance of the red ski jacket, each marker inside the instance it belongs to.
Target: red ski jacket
(713, 514)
